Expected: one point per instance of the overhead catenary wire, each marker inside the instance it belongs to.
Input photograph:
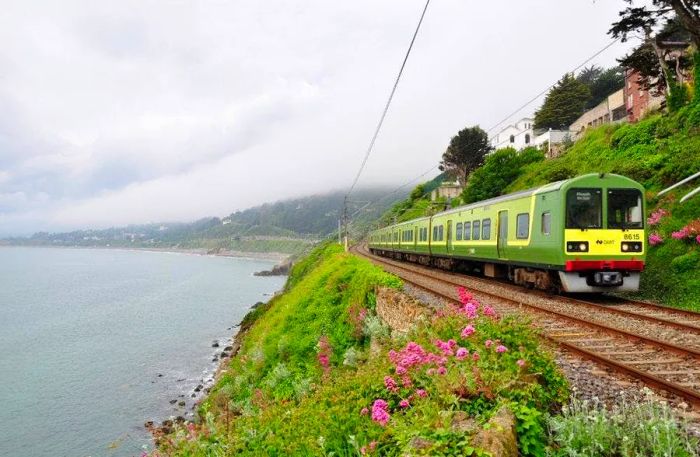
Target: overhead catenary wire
(388, 102)
(502, 121)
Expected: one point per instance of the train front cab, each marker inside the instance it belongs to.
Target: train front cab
(604, 241)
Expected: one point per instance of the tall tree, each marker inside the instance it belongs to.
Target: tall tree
(564, 103)
(465, 153)
(601, 83)
(654, 25)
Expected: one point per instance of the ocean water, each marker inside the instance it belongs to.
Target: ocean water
(93, 342)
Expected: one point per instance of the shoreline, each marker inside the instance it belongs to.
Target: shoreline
(225, 350)
(278, 257)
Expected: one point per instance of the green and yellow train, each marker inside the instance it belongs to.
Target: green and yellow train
(584, 234)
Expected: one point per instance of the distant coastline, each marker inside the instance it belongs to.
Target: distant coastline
(278, 257)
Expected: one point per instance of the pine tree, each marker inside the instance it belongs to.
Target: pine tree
(564, 103)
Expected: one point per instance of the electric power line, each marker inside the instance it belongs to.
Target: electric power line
(388, 102)
(523, 106)
(386, 108)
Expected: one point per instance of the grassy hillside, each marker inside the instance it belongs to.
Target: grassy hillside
(317, 369)
(657, 151)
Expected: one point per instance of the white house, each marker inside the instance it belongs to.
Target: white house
(519, 135)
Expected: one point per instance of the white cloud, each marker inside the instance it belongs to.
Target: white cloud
(137, 111)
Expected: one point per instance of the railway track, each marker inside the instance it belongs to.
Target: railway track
(666, 362)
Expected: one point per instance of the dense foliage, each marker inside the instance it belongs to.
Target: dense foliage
(307, 382)
(465, 153)
(500, 169)
(563, 104)
(601, 83)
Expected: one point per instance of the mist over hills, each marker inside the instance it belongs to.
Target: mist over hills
(283, 226)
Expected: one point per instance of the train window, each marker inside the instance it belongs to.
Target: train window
(584, 208)
(546, 223)
(522, 229)
(624, 208)
(441, 232)
(486, 229)
(458, 231)
(467, 230)
(476, 230)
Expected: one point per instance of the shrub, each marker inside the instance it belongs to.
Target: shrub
(631, 428)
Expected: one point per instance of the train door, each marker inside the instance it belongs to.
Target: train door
(449, 236)
(415, 238)
(502, 234)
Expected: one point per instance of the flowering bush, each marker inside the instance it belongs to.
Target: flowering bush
(409, 398)
(656, 216)
(655, 239)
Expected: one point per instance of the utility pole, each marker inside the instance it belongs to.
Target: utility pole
(345, 223)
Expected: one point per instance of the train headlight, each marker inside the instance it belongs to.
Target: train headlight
(577, 246)
(631, 246)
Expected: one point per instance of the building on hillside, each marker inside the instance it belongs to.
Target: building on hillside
(638, 100)
(551, 142)
(446, 190)
(522, 134)
(612, 109)
(519, 135)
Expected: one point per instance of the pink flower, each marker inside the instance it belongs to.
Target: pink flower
(489, 311)
(468, 331)
(475, 356)
(404, 404)
(680, 234)
(363, 450)
(521, 363)
(430, 371)
(390, 384)
(364, 411)
(501, 349)
(406, 381)
(442, 371)
(464, 295)
(655, 239)
(656, 216)
(698, 239)
(444, 346)
(372, 445)
(488, 343)
(461, 354)
(469, 310)
(400, 370)
(379, 413)
(421, 393)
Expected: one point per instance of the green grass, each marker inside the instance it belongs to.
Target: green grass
(278, 399)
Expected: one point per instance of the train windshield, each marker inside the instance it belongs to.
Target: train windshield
(584, 208)
(624, 208)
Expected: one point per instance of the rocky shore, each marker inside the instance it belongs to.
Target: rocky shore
(221, 356)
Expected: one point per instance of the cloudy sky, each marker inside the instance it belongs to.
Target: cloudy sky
(115, 112)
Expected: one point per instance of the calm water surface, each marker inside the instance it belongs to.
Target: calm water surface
(85, 334)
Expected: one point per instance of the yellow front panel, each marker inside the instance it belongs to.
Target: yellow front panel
(602, 242)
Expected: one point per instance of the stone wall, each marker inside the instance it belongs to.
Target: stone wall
(398, 310)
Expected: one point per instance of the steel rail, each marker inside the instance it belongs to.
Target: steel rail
(651, 379)
(589, 304)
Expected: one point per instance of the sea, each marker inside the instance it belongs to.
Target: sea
(95, 342)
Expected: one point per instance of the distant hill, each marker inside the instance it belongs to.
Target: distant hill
(287, 226)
